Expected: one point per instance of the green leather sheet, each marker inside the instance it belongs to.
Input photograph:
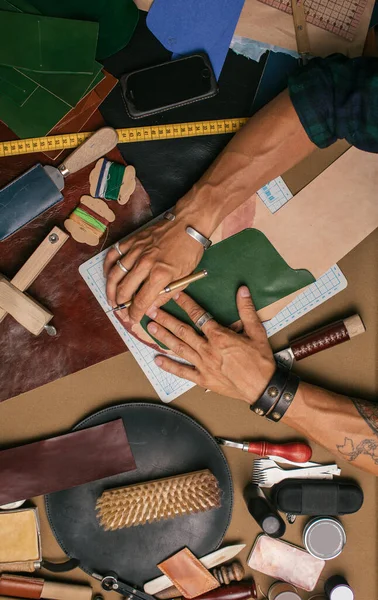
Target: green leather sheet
(47, 45)
(117, 19)
(246, 258)
(31, 103)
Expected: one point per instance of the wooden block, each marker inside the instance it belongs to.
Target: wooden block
(23, 309)
(38, 261)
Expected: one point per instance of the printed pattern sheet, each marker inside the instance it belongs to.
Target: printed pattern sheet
(341, 17)
(168, 387)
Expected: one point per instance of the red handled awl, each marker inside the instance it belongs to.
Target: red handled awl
(297, 452)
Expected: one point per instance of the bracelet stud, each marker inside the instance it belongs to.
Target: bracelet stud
(272, 392)
(275, 416)
(259, 412)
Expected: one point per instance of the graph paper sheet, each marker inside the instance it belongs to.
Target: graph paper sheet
(341, 17)
(168, 387)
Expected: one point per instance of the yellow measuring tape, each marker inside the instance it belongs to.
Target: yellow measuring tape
(126, 135)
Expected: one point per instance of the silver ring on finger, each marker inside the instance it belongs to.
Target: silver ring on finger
(122, 267)
(203, 320)
(116, 247)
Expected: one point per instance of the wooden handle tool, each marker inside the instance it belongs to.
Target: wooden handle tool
(321, 339)
(96, 146)
(298, 452)
(37, 262)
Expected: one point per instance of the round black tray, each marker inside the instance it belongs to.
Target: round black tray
(165, 442)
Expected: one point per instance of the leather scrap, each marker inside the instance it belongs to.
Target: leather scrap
(85, 335)
(21, 587)
(64, 462)
(188, 574)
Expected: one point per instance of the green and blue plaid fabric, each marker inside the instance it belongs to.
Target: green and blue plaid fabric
(337, 98)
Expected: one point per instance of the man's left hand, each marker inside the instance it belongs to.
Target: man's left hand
(238, 365)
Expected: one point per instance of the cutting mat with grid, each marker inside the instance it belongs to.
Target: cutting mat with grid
(275, 194)
(341, 17)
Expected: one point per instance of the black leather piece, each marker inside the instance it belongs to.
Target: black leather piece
(286, 398)
(168, 168)
(164, 442)
(317, 498)
(277, 385)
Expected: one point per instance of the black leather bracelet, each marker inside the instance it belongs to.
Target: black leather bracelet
(272, 392)
(286, 398)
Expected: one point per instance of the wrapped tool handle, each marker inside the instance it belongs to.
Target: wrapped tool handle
(94, 147)
(295, 451)
(326, 337)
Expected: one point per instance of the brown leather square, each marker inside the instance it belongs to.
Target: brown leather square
(188, 574)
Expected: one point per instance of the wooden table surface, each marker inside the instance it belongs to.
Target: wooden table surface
(349, 368)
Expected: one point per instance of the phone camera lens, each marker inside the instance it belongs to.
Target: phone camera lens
(206, 73)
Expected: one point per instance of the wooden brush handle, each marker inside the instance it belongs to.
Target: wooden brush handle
(295, 451)
(99, 144)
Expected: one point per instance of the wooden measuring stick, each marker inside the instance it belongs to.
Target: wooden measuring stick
(300, 26)
(23, 309)
(37, 262)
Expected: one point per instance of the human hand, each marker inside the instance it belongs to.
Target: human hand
(238, 365)
(155, 257)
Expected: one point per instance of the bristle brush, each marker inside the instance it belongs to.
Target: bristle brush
(158, 500)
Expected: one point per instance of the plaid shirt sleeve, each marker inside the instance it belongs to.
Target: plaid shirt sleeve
(337, 98)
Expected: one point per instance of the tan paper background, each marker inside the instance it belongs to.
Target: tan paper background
(349, 368)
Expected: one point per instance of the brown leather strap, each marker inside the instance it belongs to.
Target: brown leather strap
(21, 587)
(328, 336)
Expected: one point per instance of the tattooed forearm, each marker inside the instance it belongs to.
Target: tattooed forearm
(369, 413)
(368, 447)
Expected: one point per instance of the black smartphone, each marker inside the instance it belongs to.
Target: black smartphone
(168, 85)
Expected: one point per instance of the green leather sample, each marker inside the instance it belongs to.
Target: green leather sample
(15, 85)
(47, 45)
(117, 19)
(245, 258)
(18, 6)
(36, 116)
(31, 103)
(69, 88)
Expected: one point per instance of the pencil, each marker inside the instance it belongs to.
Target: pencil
(175, 285)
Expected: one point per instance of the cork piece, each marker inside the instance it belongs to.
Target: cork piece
(354, 325)
(83, 232)
(158, 500)
(187, 573)
(80, 233)
(127, 186)
(94, 177)
(98, 206)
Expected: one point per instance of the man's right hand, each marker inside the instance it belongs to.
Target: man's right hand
(155, 257)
